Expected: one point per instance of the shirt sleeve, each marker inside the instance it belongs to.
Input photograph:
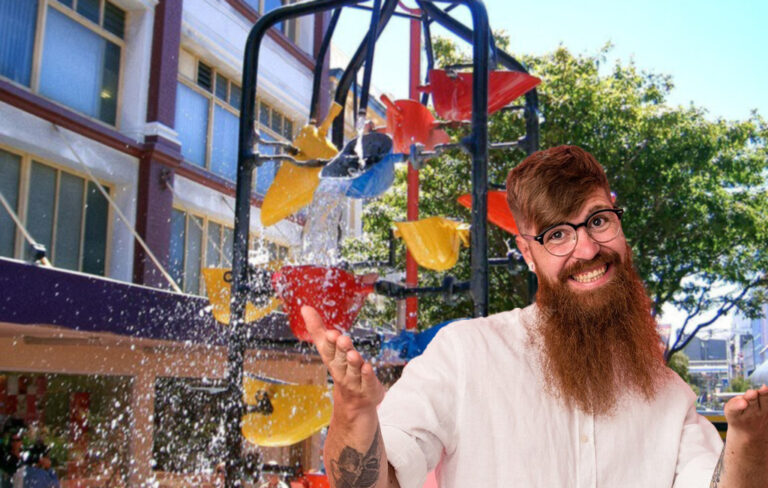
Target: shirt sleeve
(700, 447)
(417, 416)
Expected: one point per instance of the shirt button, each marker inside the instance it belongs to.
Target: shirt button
(584, 439)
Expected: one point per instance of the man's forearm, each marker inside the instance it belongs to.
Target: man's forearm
(355, 456)
(738, 467)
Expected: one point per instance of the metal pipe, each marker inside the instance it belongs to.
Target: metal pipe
(319, 63)
(349, 75)
(370, 50)
(246, 161)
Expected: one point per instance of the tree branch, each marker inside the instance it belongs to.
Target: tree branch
(724, 309)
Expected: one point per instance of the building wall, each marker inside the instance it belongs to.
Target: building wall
(136, 158)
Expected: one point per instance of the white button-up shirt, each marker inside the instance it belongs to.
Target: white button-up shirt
(474, 407)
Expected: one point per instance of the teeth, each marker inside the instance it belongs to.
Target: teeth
(590, 275)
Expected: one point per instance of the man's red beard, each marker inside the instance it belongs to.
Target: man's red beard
(598, 344)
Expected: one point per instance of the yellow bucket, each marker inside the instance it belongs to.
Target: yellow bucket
(294, 185)
(298, 411)
(434, 242)
(218, 292)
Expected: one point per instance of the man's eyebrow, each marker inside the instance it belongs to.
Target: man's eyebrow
(595, 208)
(590, 211)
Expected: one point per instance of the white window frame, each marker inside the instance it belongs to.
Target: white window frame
(20, 243)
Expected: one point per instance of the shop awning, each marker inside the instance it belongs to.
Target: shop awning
(41, 296)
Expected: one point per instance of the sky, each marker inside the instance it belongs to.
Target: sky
(715, 51)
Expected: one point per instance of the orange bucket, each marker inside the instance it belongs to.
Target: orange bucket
(452, 93)
(410, 122)
(498, 210)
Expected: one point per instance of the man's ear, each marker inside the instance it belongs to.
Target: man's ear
(524, 248)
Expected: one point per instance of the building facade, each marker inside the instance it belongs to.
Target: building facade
(122, 115)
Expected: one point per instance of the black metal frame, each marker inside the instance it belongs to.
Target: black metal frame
(476, 145)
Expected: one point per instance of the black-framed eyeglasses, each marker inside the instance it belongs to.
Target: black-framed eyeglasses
(560, 239)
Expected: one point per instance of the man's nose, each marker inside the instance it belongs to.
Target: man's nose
(586, 247)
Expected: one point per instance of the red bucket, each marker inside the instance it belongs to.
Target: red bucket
(498, 210)
(452, 94)
(337, 295)
(409, 122)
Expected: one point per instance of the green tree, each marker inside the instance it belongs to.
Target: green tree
(694, 188)
(740, 384)
(679, 363)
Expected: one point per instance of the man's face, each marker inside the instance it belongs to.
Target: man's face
(584, 269)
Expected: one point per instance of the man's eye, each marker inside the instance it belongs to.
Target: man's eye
(554, 236)
(597, 221)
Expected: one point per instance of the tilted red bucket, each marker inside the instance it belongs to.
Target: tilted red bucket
(452, 93)
(409, 122)
(498, 210)
(337, 295)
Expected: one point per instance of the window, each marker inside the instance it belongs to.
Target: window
(263, 6)
(63, 211)
(208, 118)
(76, 61)
(190, 236)
(197, 242)
(63, 410)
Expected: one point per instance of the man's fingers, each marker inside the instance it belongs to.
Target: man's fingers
(354, 363)
(370, 383)
(324, 340)
(314, 324)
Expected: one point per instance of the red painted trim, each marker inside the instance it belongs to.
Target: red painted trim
(166, 39)
(45, 109)
(157, 147)
(221, 185)
(250, 14)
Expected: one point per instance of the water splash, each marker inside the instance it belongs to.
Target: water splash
(322, 232)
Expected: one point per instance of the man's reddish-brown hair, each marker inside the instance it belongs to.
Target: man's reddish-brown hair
(550, 185)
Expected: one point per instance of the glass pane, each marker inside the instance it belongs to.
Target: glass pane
(109, 80)
(277, 122)
(192, 124)
(221, 87)
(204, 75)
(10, 167)
(235, 95)
(114, 20)
(226, 246)
(264, 114)
(188, 425)
(69, 222)
(271, 5)
(224, 149)
(288, 129)
(95, 238)
(212, 256)
(194, 255)
(266, 172)
(176, 250)
(89, 9)
(42, 189)
(17, 38)
(68, 3)
(73, 58)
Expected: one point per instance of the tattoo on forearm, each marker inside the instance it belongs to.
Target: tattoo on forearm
(719, 470)
(353, 469)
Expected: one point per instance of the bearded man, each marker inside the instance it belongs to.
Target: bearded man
(570, 391)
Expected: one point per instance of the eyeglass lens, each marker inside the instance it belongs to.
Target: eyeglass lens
(602, 227)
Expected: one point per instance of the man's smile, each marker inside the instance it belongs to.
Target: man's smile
(590, 275)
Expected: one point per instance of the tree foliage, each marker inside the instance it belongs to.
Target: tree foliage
(694, 187)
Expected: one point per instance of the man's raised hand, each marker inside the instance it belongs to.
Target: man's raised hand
(356, 388)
